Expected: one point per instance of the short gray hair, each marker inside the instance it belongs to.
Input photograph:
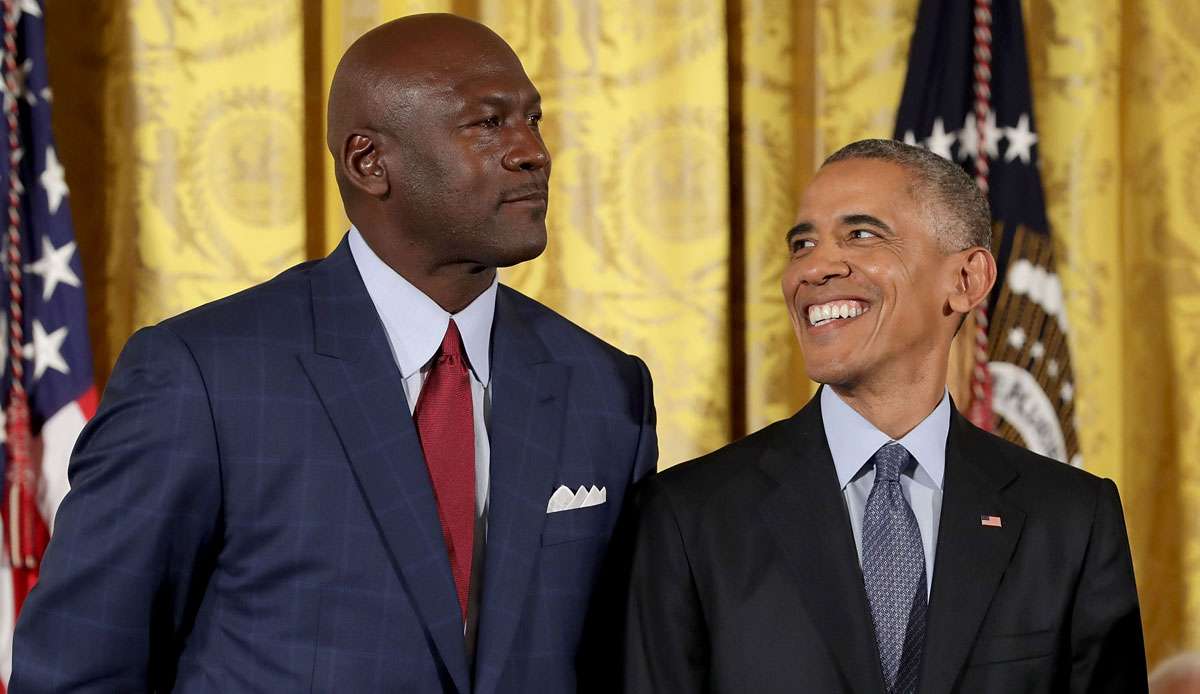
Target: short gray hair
(956, 207)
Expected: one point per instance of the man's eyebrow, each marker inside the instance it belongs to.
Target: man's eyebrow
(507, 99)
(496, 99)
(801, 228)
(865, 220)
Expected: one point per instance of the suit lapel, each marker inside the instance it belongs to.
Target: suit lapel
(806, 514)
(355, 376)
(971, 557)
(525, 429)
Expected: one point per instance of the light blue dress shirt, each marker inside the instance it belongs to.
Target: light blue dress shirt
(853, 440)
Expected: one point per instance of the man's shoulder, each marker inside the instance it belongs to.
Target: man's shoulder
(281, 304)
(726, 472)
(1028, 462)
(1038, 479)
(561, 335)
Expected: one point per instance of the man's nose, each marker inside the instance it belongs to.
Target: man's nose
(823, 263)
(527, 151)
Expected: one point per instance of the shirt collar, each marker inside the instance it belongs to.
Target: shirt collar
(853, 440)
(414, 323)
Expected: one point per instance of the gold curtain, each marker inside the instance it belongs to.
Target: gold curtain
(185, 128)
(682, 132)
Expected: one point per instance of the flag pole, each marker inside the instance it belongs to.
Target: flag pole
(980, 411)
(20, 469)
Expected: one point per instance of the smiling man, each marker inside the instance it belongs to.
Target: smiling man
(378, 472)
(876, 541)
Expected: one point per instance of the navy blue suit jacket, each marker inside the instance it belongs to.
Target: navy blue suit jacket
(250, 510)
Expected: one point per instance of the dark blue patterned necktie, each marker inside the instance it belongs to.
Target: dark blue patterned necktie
(893, 563)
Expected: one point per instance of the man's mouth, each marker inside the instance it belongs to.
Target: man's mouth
(537, 196)
(840, 309)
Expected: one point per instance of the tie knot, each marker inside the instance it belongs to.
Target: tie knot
(451, 351)
(890, 460)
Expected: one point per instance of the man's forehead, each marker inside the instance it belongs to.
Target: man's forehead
(497, 89)
(458, 73)
(856, 185)
(863, 175)
(497, 84)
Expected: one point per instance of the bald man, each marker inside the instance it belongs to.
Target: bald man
(380, 471)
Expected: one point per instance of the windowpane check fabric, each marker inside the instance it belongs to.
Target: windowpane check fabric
(445, 425)
(893, 565)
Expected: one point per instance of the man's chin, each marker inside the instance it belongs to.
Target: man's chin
(831, 374)
(520, 250)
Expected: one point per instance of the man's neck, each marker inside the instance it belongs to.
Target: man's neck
(453, 285)
(894, 411)
(452, 288)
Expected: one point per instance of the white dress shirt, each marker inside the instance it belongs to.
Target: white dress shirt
(415, 326)
(853, 440)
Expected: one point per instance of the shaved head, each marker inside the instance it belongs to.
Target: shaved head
(396, 64)
(434, 131)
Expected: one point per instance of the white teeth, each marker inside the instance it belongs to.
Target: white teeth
(834, 310)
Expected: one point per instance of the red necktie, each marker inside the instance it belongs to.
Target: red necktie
(446, 426)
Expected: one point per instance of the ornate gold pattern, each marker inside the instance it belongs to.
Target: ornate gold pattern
(201, 149)
(1115, 94)
(636, 122)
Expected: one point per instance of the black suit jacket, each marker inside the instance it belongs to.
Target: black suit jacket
(742, 575)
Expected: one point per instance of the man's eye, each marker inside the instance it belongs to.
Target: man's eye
(534, 120)
(490, 122)
(802, 244)
(862, 234)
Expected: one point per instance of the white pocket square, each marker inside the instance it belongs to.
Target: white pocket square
(563, 499)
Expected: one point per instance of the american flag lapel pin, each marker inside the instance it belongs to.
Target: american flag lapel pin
(991, 521)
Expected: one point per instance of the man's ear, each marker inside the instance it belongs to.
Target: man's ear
(363, 163)
(976, 273)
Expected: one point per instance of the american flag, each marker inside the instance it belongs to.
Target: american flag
(47, 387)
(991, 521)
(967, 97)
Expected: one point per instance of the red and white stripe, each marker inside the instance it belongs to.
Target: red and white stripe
(36, 479)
